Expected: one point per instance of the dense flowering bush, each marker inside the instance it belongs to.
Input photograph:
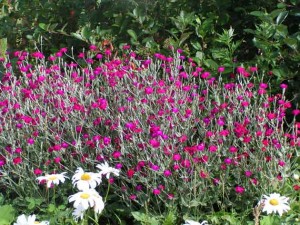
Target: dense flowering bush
(177, 135)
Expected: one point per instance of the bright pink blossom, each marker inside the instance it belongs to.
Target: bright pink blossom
(37, 171)
(156, 191)
(239, 189)
(17, 160)
(213, 148)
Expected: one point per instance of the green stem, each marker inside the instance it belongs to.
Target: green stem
(107, 192)
(94, 220)
(54, 195)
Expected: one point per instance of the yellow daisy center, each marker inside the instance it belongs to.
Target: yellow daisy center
(52, 177)
(84, 196)
(37, 222)
(85, 176)
(274, 202)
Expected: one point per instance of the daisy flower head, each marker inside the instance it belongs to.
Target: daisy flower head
(30, 220)
(191, 222)
(296, 176)
(78, 212)
(85, 180)
(88, 198)
(105, 169)
(275, 204)
(53, 179)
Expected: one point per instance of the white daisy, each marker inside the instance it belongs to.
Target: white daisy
(78, 212)
(99, 205)
(53, 178)
(85, 180)
(88, 198)
(30, 220)
(275, 203)
(191, 222)
(105, 169)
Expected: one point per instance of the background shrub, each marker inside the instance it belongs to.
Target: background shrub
(265, 33)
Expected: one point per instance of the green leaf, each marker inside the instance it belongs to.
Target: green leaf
(196, 45)
(250, 31)
(270, 220)
(52, 26)
(170, 219)
(51, 208)
(144, 218)
(275, 13)
(184, 37)
(7, 214)
(291, 42)
(231, 219)
(4, 222)
(211, 63)
(3, 47)
(279, 73)
(281, 5)
(86, 33)
(295, 12)
(199, 57)
(132, 34)
(78, 36)
(43, 26)
(139, 216)
(196, 202)
(281, 17)
(294, 2)
(282, 30)
(98, 2)
(257, 13)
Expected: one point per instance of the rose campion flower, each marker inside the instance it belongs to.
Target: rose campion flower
(239, 189)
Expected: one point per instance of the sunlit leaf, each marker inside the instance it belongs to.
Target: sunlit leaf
(281, 17)
(132, 34)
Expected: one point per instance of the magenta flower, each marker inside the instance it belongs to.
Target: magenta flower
(296, 112)
(116, 154)
(57, 160)
(176, 157)
(239, 189)
(203, 174)
(154, 143)
(170, 196)
(248, 173)
(167, 173)
(132, 197)
(37, 171)
(155, 167)
(30, 141)
(213, 148)
(281, 163)
(228, 161)
(186, 163)
(216, 181)
(17, 160)
(156, 191)
(205, 75)
(221, 69)
(233, 149)
(283, 86)
(102, 103)
(148, 90)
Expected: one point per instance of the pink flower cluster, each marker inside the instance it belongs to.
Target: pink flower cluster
(165, 122)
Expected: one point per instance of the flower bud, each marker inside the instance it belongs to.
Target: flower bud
(296, 176)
